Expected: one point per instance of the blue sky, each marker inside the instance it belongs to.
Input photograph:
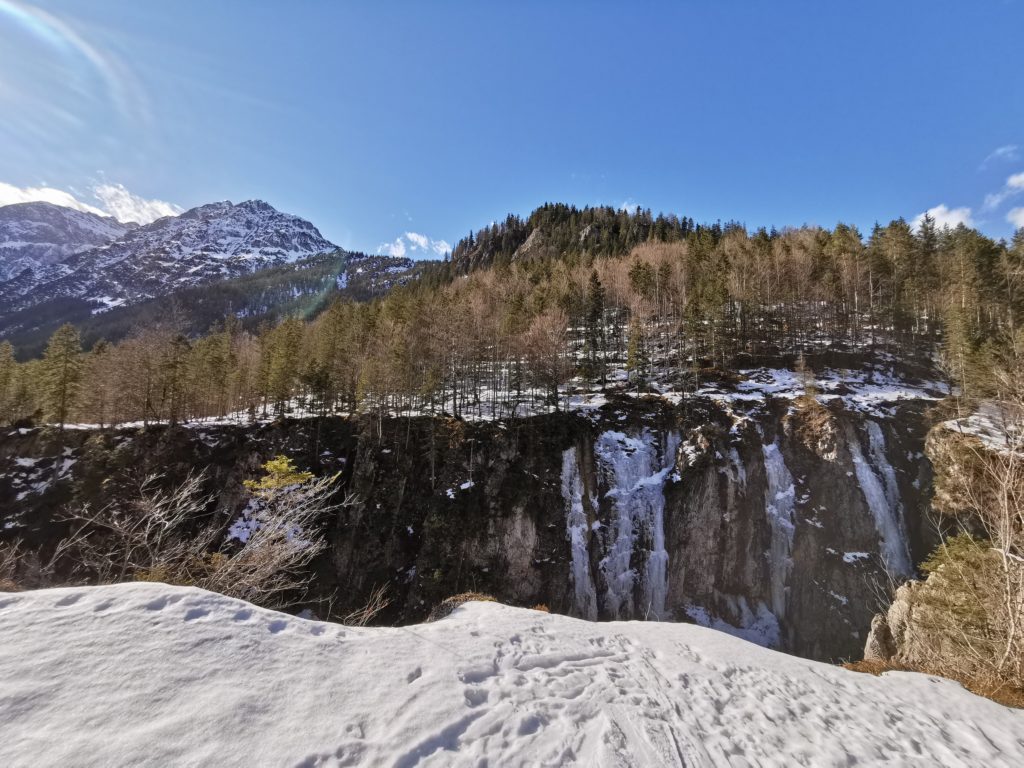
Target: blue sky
(375, 119)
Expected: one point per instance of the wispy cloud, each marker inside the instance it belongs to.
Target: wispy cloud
(629, 204)
(112, 200)
(1016, 217)
(1007, 153)
(1014, 185)
(414, 244)
(947, 217)
(127, 206)
(10, 194)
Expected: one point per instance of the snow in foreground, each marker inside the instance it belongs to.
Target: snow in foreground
(157, 675)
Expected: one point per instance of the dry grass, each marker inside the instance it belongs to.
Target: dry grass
(1001, 693)
(449, 604)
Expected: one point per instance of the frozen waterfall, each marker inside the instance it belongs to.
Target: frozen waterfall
(780, 499)
(881, 493)
(635, 471)
(584, 602)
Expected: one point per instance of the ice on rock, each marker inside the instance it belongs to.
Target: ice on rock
(780, 499)
(577, 530)
(882, 496)
(876, 447)
(635, 471)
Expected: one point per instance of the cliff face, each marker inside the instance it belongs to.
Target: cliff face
(744, 526)
(776, 524)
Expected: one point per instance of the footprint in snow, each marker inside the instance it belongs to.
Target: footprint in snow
(162, 602)
(243, 615)
(196, 613)
(68, 600)
(277, 626)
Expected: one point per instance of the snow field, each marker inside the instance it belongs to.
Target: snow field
(147, 674)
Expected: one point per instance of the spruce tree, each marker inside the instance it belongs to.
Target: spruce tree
(637, 362)
(595, 338)
(62, 373)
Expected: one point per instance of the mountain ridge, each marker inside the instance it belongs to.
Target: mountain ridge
(74, 263)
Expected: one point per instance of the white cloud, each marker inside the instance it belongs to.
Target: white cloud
(114, 200)
(1006, 153)
(947, 217)
(396, 248)
(417, 240)
(10, 194)
(1016, 217)
(127, 206)
(414, 244)
(630, 205)
(1014, 185)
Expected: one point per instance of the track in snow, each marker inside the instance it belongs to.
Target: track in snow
(146, 674)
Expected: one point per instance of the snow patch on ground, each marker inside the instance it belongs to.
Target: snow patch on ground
(152, 675)
(997, 426)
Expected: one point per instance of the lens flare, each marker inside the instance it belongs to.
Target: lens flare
(73, 50)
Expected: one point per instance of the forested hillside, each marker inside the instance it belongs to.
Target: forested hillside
(304, 289)
(596, 297)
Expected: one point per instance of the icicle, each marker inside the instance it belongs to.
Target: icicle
(584, 595)
(636, 476)
(882, 500)
(780, 499)
(739, 472)
(876, 446)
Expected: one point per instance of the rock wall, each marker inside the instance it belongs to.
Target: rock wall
(776, 524)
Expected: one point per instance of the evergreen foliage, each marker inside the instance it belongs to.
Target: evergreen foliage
(564, 292)
(62, 373)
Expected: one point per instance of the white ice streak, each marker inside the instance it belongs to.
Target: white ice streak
(635, 472)
(780, 500)
(882, 497)
(577, 530)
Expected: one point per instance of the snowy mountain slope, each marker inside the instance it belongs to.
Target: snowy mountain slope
(210, 242)
(35, 236)
(147, 674)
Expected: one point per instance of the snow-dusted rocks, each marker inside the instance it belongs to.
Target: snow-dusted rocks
(35, 236)
(123, 264)
(146, 674)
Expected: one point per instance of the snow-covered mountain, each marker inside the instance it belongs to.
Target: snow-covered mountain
(149, 674)
(34, 236)
(210, 242)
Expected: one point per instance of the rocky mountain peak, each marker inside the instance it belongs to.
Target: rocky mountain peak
(76, 255)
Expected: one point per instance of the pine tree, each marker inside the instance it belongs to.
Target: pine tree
(638, 363)
(97, 395)
(594, 343)
(62, 373)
